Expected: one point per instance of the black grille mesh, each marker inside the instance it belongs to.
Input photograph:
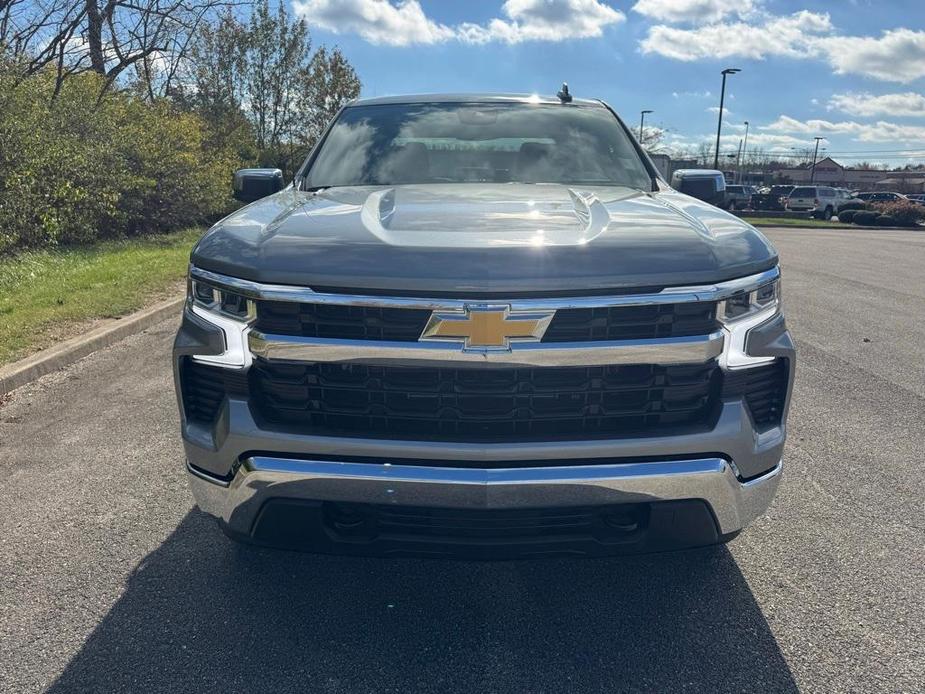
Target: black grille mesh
(204, 389)
(406, 325)
(632, 322)
(345, 322)
(764, 389)
(485, 404)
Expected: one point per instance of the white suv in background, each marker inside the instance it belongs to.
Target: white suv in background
(819, 201)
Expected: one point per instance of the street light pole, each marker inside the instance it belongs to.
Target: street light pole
(744, 152)
(642, 120)
(812, 173)
(738, 174)
(719, 125)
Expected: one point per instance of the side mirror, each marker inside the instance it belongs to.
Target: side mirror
(252, 184)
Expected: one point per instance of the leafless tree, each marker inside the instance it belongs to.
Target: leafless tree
(653, 139)
(106, 36)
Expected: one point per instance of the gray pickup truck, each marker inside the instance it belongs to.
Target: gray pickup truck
(483, 326)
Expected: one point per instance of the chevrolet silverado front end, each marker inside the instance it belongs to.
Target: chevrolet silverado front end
(483, 326)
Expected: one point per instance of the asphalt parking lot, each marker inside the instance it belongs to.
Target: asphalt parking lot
(110, 579)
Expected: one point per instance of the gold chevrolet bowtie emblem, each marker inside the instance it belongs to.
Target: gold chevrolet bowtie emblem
(487, 327)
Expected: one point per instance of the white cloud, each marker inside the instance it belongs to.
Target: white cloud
(774, 142)
(698, 95)
(699, 11)
(896, 56)
(881, 131)
(793, 36)
(729, 143)
(406, 23)
(377, 21)
(903, 104)
(715, 110)
(553, 20)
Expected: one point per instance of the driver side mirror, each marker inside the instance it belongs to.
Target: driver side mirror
(252, 184)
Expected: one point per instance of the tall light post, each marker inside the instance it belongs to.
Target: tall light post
(719, 125)
(642, 120)
(738, 173)
(812, 173)
(744, 153)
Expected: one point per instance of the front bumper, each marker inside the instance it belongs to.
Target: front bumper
(237, 503)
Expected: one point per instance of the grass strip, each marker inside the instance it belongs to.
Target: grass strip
(50, 295)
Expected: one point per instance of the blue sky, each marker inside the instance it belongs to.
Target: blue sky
(852, 71)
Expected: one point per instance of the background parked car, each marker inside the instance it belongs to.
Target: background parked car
(739, 197)
(879, 196)
(918, 198)
(773, 198)
(819, 201)
(708, 185)
(844, 197)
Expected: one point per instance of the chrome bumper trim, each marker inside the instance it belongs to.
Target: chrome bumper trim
(670, 295)
(237, 503)
(678, 350)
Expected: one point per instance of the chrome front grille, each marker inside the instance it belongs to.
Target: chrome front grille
(601, 323)
(618, 366)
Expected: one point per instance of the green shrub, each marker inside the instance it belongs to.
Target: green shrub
(853, 205)
(865, 217)
(73, 170)
(904, 212)
(846, 216)
(886, 220)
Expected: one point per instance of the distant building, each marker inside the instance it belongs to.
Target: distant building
(667, 166)
(684, 164)
(830, 172)
(662, 163)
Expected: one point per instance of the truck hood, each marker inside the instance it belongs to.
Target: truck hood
(459, 239)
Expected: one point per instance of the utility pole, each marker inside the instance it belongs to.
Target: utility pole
(719, 125)
(739, 162)
(642, 120)
(812, 173)
(745, 150)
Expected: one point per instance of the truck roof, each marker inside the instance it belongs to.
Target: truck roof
(470, 98)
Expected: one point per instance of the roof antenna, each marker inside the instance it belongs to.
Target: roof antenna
(563, 94)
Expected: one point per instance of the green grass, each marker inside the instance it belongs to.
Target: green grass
(46, 296)
(787, 222)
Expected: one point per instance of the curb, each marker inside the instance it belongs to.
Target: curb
(846, 227)
(26, 370)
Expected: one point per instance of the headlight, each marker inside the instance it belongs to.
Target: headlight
(750, 301)
(222, 301)
(231, 312)
(740, 313)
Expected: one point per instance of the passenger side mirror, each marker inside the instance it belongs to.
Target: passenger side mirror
(252, 184)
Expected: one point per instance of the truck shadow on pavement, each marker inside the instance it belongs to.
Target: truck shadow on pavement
(202, 613)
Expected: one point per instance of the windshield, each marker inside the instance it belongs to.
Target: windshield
(476, 143)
